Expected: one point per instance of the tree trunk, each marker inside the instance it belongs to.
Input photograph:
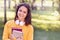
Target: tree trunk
(5, 19)
(58, 7)
(42, 4)
(53, 5)
(32, 5)
(9, 1)
(23, 1)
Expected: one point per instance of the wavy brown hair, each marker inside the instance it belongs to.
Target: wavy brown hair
(28, 17)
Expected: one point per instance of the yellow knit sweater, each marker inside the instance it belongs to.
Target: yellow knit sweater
(27, 30)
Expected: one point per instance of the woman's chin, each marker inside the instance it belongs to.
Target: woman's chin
(21, 19)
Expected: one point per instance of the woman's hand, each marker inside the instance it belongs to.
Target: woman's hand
(12, 37)
(19, 39)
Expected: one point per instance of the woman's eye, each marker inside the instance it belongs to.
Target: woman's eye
(20, 10)
(24, 12)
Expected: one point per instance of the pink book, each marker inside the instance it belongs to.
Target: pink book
(17, 33)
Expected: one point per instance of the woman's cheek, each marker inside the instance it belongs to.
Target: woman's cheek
(24, 15)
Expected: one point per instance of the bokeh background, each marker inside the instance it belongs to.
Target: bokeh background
(45, 17)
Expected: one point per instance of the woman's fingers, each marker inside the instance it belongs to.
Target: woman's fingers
(12, 37)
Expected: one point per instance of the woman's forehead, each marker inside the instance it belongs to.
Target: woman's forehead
(23, 7)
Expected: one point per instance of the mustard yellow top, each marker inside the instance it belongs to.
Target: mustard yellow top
(27, 30)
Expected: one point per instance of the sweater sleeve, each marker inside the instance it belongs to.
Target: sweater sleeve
(30, 33)
(5, 32)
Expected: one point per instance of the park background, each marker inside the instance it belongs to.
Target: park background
(45, 17)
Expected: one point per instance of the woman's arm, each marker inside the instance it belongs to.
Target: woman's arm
(30, 33)
(5, 32)
(6, 35)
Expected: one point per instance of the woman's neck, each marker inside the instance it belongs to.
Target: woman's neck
(21, 20)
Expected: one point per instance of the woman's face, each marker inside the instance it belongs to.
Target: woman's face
(22, 13)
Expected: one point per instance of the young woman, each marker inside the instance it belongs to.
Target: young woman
(20, 28)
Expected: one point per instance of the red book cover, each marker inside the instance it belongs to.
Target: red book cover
(17, 29)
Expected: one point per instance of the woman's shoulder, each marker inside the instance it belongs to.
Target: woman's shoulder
(10, 22)
(30, 26)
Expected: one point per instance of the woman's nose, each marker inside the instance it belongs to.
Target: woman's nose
(21, 13)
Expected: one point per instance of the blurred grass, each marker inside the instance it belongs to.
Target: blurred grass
(1, 28)
(46, 22)
(43, 12)
(44, 35)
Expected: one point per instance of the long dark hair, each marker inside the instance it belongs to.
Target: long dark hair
(28, 17)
